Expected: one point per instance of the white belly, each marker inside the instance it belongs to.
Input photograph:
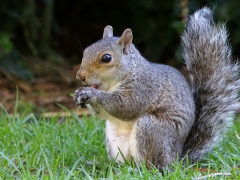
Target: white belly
(121, 139)
(120, 135)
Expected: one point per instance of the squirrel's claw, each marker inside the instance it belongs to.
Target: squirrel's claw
(83, 105)
(81, 97)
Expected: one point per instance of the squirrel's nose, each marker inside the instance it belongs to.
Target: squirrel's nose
(80, 76)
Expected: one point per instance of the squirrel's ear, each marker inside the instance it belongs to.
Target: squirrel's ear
(108, 31)
(126, 40)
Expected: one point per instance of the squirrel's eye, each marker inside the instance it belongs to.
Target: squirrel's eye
(106, 58)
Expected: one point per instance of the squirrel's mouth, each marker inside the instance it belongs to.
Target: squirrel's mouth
(96, 86)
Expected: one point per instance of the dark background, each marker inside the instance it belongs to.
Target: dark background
(41, 41)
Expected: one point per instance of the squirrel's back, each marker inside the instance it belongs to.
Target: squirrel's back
(214, 82)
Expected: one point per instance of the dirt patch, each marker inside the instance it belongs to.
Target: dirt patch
(50, 86)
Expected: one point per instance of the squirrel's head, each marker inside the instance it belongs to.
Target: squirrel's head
(105, 62)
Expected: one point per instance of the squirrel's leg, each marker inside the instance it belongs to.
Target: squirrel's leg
(158, 141)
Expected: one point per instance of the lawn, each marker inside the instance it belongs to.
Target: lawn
(73, 148)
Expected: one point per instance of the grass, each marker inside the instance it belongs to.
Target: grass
(39, 148)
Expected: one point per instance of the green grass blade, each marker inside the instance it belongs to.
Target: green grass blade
(10, 162)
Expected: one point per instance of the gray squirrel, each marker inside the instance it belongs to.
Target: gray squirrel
(152, 114)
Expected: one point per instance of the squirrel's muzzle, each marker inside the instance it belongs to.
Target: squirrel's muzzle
(80, 75)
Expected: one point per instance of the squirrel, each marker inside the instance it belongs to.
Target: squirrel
(153, 115)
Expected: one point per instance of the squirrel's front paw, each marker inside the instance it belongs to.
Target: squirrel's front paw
(83, 96)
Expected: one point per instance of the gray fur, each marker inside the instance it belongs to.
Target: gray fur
(170, 118)
(214, 81)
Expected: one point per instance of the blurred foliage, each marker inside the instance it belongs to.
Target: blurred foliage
(10, 63)
(47, 28)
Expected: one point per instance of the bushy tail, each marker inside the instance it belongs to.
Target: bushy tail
(214, 81)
